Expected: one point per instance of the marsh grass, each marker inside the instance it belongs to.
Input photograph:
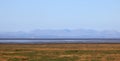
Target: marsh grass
(60, 52)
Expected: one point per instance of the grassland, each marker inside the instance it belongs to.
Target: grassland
(59, 52)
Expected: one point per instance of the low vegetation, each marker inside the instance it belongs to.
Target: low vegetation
(59, 52)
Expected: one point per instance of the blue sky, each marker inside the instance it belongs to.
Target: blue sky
(27, 15)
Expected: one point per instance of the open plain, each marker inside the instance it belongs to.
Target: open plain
(59, 52)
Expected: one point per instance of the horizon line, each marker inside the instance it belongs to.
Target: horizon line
(59, 38)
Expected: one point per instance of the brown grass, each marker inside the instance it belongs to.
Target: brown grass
(59, 52)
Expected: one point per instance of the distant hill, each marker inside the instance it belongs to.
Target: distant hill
(66, 33)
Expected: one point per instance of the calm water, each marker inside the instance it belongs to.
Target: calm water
(59, 41)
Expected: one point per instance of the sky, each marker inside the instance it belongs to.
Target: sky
(27, 15)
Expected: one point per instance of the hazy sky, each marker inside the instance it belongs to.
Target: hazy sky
(26, 15)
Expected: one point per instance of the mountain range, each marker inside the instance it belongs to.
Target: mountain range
(64, 33)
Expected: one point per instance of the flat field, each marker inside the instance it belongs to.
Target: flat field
(59, 52)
